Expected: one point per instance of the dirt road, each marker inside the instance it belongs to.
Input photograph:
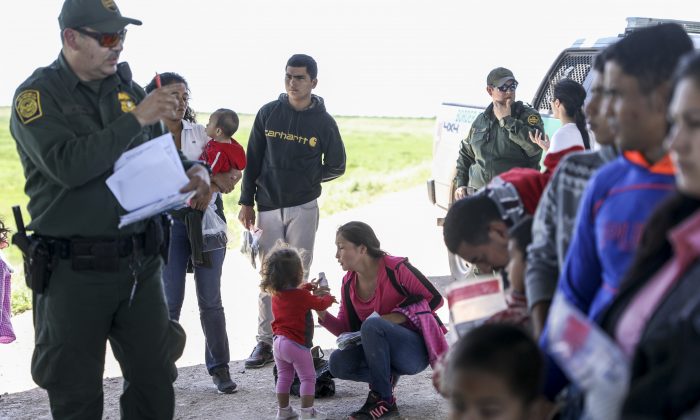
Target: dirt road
(405, 225)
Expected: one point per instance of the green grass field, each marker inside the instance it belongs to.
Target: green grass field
(383, 155)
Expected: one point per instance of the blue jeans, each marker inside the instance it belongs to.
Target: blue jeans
(387, 349)
(208, 283)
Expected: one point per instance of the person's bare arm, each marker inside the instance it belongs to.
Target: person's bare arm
(247, 216)
(226, 181)
(199, 183)
(539, 313)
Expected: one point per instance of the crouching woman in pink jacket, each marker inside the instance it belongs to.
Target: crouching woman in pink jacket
(393, 307)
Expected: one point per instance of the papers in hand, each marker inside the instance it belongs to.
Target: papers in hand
(581, 348)
(147, 180)
(473, 301)
(590, 359)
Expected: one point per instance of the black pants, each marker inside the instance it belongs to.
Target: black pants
(76, 316)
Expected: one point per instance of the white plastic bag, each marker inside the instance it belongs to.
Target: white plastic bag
(350, 339)
(214, 230)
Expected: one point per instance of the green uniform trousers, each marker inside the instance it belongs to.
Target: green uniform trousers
(75, 317)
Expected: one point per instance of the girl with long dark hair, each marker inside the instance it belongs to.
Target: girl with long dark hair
(392, 305)
(567, 106)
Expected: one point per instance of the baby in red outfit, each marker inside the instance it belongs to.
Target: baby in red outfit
(222, 153)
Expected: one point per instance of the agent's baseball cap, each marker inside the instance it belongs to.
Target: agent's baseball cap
(498, 76)
(100, 15)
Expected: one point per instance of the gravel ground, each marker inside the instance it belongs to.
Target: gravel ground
(403, 229)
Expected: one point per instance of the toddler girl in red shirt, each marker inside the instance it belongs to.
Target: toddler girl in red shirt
(282, 277)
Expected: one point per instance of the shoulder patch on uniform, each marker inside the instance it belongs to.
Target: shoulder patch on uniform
(126, 101)
(533, 119)
(28, 106)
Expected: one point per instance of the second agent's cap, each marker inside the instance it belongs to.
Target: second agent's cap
(100, 15)
(498, 76)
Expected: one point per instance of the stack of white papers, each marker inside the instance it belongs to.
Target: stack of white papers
(473, 301)
(147, 180)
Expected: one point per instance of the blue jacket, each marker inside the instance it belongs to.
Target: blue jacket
(616, 203)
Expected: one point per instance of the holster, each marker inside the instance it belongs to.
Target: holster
(38, 261)
(36, 253)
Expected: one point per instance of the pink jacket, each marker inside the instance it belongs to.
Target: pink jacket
(402, 289)
(7, 334)
(426, 322)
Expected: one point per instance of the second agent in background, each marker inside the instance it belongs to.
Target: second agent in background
(294, 146)
(499, 138)
(572, 136)
(191, 138)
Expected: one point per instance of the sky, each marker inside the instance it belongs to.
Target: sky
(375, 57)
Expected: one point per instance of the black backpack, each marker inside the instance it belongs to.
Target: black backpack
(325, 386)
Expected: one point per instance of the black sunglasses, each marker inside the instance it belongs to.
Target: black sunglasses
(106, 40)
(511, 87)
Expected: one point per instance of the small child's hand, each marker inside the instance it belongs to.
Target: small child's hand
(318, 290)
(308, 286)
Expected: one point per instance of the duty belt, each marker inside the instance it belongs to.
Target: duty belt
(120, 247)
(105, 254)
(99, 254)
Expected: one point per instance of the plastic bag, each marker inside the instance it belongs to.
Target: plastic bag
(325, 385)
(250, 245)
(214, 230)
(348, 339)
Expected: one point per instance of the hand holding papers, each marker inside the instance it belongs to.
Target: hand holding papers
(590, 359)
(147, 180)
(473, 301)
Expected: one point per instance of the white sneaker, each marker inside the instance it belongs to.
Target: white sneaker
(286, 413)
(312, 413)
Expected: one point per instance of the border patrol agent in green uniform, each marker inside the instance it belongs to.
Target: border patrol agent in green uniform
(498, 139)
(93, 282)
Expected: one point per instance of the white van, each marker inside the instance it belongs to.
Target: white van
(454, 120)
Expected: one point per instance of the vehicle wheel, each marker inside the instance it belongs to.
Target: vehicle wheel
(459, 269)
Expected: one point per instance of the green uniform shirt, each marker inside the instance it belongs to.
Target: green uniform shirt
(491, 149)
(69, 134)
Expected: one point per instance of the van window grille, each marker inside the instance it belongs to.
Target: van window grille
(575, 66)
